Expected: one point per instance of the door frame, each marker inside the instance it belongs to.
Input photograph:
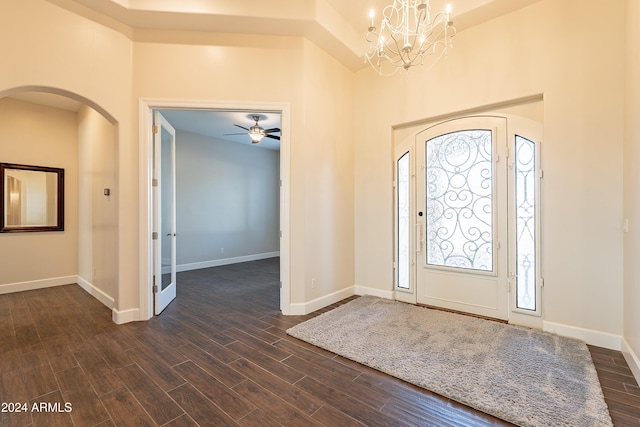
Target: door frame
(515, 125)
(145, 108)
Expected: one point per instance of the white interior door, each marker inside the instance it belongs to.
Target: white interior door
(164, 223)
(461, 216)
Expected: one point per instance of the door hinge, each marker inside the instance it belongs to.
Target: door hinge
(154, 235)
(154, 128)
(540, 174)
(155, 289)
(542, 282)
(154, 182)
(281, 284)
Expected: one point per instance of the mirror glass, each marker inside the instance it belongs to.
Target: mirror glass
(32, 198)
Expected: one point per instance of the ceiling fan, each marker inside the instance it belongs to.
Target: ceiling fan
(256, 132)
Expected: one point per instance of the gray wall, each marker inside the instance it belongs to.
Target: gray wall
(227, 197)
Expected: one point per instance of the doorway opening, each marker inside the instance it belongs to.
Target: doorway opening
(246, 203)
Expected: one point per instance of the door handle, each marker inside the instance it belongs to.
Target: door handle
(170, 234)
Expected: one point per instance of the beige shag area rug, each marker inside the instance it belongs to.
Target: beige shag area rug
(524, 376)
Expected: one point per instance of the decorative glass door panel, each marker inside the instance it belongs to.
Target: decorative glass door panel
(462, 208)
(459, 200)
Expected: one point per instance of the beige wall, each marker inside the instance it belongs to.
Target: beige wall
(36, 135)
(534, 51)
(64, 53)
(97, 213)
(328, 186)
(632, 182)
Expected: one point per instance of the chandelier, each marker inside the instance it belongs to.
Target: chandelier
(407, 35)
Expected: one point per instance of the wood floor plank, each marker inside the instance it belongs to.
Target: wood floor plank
(374, 397)
(200, 409)
(344, 403)
(285, 391)
(220, 371)
(76, 389)
(97, 371)
(152, 398)
(282, 370)
(111, 352)
(154, 366)
(272, 405)
(55, 413)
(210, 346)
(14, 390)
(124, 409)
(226, 398)
(257, 418)
(257, 344)
(38, 376)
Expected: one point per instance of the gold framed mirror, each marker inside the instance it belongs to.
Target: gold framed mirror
(31, 198)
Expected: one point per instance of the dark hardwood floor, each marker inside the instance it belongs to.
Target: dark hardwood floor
(218, 355)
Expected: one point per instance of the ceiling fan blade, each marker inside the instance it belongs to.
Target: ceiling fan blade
(272, 130)
(241, 127)
(272, 137)
(243, 133)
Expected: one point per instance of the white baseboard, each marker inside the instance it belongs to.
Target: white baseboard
(225, 261)
(125, 316)
(632, 359)
(37, 284)
(590, 336)
(298, 309)
(362, 290)
(96, 293)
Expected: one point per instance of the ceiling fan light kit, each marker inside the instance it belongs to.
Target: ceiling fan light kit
(407, 35)
(256, 132)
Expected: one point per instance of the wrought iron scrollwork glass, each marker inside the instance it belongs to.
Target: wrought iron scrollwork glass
(525, 174)
(459, 195)
(403, 195)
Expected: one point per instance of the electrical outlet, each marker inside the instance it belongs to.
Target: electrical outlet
(313, 282)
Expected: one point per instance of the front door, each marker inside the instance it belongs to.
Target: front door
(462, 226)
(164, 223)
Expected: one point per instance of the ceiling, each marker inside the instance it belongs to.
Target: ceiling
(338, 26)
(217, 124)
